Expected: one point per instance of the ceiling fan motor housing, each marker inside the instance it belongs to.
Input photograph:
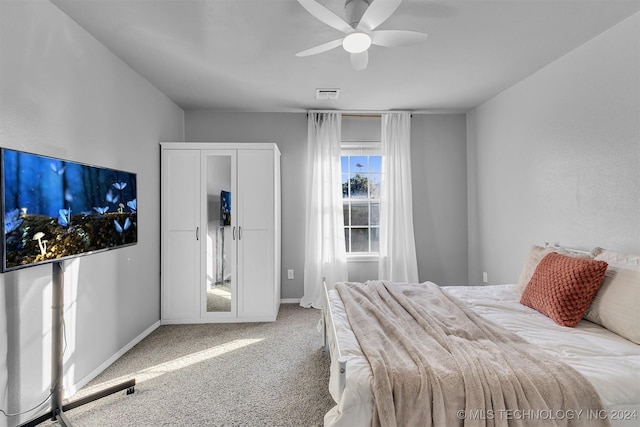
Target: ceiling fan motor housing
(354, 9)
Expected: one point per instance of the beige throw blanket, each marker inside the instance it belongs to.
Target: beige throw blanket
(436, 363)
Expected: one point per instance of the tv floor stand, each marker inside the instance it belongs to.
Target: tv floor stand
(57, 412)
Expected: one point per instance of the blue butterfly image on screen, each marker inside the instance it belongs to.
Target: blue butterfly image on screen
(55, 209)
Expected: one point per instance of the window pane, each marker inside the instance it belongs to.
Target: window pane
(375, 239)
(375, 213)
(374, 185)
(359, 240)
(345, 185)
(344, 164)
(375, 163)
(358, 164)
(359, 214)
(359, 186)
(345, 209)
(346, 240)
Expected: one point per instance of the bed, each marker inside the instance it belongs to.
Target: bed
(606, 357)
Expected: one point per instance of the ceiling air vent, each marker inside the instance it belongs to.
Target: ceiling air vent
(327, 93)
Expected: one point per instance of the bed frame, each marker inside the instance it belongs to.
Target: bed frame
(572, 250)
(327, 316)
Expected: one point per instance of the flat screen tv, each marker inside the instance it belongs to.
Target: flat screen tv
(56, 209)
(225, 207)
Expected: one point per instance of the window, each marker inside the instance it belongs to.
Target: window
(361, 175)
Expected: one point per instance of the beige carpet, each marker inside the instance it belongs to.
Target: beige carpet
(247, 374)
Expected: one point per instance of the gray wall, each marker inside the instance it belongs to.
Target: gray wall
(64, 94)
(439, 169)
(556, 158)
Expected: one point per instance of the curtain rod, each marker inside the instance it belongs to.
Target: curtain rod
(359, 114)
(363, 116)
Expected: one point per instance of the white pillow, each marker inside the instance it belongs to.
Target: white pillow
(536, 253)
(617, 259)
(616, 306)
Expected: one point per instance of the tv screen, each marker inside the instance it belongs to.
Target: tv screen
(225, 208)
(55, 209)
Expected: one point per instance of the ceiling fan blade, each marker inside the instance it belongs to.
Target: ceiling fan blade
(360, 60)
(394, 38)
(377, 12)
(321, 48)
(325, 15)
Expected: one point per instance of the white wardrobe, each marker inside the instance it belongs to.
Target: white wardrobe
(220, 232)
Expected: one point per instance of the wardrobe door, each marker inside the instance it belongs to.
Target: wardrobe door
(220, 234)
(256, 251)
(180, 234)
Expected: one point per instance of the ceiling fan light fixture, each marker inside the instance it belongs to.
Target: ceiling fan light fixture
(356, 42)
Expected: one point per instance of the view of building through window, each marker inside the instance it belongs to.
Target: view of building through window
(361, 200)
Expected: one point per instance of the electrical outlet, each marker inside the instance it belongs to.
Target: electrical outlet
(485, 277)
(290, 274)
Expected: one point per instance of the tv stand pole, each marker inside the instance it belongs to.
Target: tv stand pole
(57, 337)
(57, 359)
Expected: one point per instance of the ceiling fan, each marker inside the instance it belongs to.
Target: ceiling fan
(360, 35)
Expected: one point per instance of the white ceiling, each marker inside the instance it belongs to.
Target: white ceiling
(239, 55)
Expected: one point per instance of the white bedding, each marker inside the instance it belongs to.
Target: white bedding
(610, 362)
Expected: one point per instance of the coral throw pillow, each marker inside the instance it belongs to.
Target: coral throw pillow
(562, 287)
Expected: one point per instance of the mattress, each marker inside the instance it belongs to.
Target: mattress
(610, 362)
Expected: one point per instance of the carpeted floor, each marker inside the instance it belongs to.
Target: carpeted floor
(246, 374)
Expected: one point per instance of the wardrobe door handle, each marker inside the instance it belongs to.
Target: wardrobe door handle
(239, 233)
(234, 232)
(197, 233)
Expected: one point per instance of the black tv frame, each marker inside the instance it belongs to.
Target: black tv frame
(122, 216)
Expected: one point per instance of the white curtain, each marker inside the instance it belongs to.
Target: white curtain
(325, 254)
(397, 244)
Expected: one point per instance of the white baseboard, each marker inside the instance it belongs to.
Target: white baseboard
(70, 391)
(290, 301)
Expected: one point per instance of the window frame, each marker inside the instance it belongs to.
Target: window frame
(352, 149)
